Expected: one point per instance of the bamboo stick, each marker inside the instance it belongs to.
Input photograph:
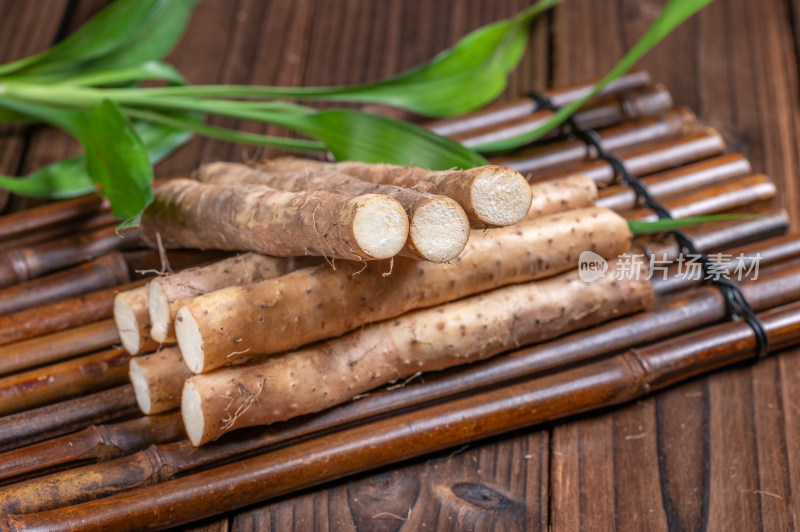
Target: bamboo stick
(104, 218)
(61, 315)
(606, 382)
(770, 252)
(58, 218)
(675, 182)
(22, 264)
(737, 193)
(107, 271)
(57, 382)
(94, 443)
(719, 235)
(674, 315)
(60, 418)
(641, 103)
(506, 111)
(52, 214)
(57, 346)
(558, 159)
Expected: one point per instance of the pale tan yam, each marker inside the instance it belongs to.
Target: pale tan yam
(168, 293)
(439, 227)
(132, 317)
(158, 379)
(491, 195)
(318, 303)
(186, 213)
(559, 195)
(474, 328)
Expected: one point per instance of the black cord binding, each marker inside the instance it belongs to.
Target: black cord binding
(737, 306)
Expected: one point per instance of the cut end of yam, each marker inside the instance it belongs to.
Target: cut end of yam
(439, 229)
(159, 312)
(500, 196)
(192, 413)
(190, 340)
(140, 387)
(380, 226)
(127, 324)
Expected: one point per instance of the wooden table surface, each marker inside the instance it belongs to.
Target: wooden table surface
(720, 452)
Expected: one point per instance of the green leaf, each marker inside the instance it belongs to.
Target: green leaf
(68, 178)
(149, 70)
(668, 224)
(160, 141)
(65, 119)
(126, 33)
(11, 117)
(64, 179)
(349, 135)
(116, 159)
(467, 76)
(229, 135)
(353, 135)
(154, 39)
(674, 13)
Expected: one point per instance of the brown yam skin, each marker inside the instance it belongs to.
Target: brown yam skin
(560, 195)
(232, 174)
(189, 214)
(455, 333)
(132, 317)
(318, 303)
(228, 174)
(164, 372)
(456, 184)
(240, 270)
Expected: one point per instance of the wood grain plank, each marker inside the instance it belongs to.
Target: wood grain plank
(637, 491)
(481, 487)
(774, 483)
(789, 363)
(717, 63)
(733, 501)
(683, 454)
(210, 525)
(48, 145)
(204, 55)
(23, 19)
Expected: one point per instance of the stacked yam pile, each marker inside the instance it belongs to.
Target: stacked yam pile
(355, 276)
(320, 282)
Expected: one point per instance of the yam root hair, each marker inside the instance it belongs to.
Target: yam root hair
(186, 213)
(474, 328)
(318, 303)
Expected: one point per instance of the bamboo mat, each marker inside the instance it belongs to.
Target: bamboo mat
(692, 438)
